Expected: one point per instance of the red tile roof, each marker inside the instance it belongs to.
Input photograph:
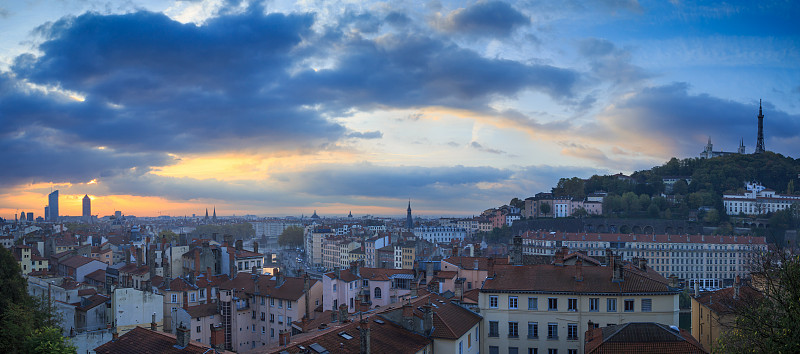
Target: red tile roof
(76, 261)
(202, 310)
(141, 340)
(98, 275)
(385, 337)
(548, 278)
(722, 301)
(641, 337)
(290, 289)
(451, 321)
(378, 274)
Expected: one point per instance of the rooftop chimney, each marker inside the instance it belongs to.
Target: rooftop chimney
(365, 336)
(153, 325)
(427, 321)
(342, 313)
(182, 336)
(696, 288)
(138, 257)
(559, 257)
(255, 246)
(579, 270)
(490, 269)
(239, 245)
(279, 278)
(617, 269)
(408, 316)
(306, 286)
(227, 240)
(609, 257)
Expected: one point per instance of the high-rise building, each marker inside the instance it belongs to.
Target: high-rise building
(30, 217)
(46, 212)
(52, 200)
(87, 206)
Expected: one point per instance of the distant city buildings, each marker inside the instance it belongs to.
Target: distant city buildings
(87, 206)
(52, 206)
(757, 200)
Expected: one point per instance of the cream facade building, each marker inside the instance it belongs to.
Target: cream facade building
(542, 308)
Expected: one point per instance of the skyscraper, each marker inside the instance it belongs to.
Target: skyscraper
(87, 206)
(760, 140)
(52, 200)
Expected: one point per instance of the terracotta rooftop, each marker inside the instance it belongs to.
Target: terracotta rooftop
(698, 239)
(98, 275)
(385, 337)
(141, 340)
(202, 310)
(641, 337)
(451, 321)
(92, 302)
(545, 278)
(377, 274)
(290, 289)
(468, 263)
(722, 301)
(76, 261)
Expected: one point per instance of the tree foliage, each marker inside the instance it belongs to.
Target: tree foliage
(27, 324)
(291, 236)
(769, 322)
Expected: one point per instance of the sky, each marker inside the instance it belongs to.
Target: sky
(281, 108)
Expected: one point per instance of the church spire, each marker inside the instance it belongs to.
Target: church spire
(409, 220)
(215, 213)
(206, 213)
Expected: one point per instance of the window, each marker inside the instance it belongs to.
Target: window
(513, 350)
(174, 298)
(572, 351)
(572, 331)
(272, 332)
(202, 293)
(533, 330)
(377, 292)
(263, 330)
(263, 317)
(552, 304)
(533, 350)
(611, 305)
(334, 286)
(513, 330)
(288, 304)
(533, 303)
(192, 297)
(512, 302)
(365, 283)
(272, 317)
(280, 303)
(272, 301)
(594, 304)
(628, 305)
(647, 305)
(493, 301)
(494, 329)
(460, 347)
(552, 330)
(198, 329)
(552, 351)
(493, 349)
(572, 304)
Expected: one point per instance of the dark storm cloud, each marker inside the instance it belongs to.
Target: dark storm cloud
(477, 146)
(490, 18)
(609, 63)
(410, 71)
(240, 80)
(666, 111)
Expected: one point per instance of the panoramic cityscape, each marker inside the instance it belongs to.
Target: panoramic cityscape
(221, 176)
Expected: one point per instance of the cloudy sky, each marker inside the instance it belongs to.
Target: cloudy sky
(286, 107)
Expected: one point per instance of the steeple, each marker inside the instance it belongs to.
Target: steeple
(741, 146)
(206, 213)
(760, 140)
(215, 213)
(409, 220)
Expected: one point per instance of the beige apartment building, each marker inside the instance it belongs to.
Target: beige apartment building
(547, 308)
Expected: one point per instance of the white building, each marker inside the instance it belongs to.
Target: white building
(439, 234)
(757, 200)
(714, 261)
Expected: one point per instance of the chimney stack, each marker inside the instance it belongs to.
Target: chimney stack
(153, 325)
(737, 285)
(279, 278)
(182, 336)
(365, 336)
(609, 257)
(490, 268)
(408, 316)
(579, 269)
(255, 246)
(342, 313)
(214, 237)
(427, 321)
(558, 260)
(696, 288)
(239, 245)
(138, 257)
(227, 240)
(306, 286)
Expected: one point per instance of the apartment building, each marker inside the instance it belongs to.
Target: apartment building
(256, 309)
(757, 200)
(549, 308)
(439, 234)
(378, 286)
(713, 312)
(314, 236)
(711, 261)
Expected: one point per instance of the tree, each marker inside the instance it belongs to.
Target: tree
(653, 211)
(517, 203)
(768, 322)
(291, 236)
(580, 213)
(48, 340)
(544, 208)
(712, 217)
(12, 285)
(680, 187)
(169, 235)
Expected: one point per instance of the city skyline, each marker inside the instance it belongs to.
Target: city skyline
(282, 108)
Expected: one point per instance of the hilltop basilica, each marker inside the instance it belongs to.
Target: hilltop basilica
(709, 152)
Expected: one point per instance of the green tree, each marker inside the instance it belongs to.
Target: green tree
(169, 235)
(544, 208)
(768, 322)
(712, 217)
(12, 285)
(680, 187)
(653, 211)
(580, 213)
(517, 203)
(48, 340)
(573, 187)
(292, 236)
